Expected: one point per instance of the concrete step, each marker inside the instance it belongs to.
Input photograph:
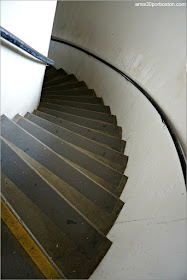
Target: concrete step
(57, 165)
(87, 106)
(116, 191)
(98, 116)
(73, 92)
(71, 153)
(15, 261)
(58, 73)
(62, 80)
(60, 230)
(108, 156)
(81, 99)
(66, 87)
(101, 220)
(49, 70)
(101, 127)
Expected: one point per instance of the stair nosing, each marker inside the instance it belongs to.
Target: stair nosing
(78, 102)
(68, 82)
(47, 147)
(90, 140)
(74, 164)
(20, 117)
(109, 134)
(106, 114)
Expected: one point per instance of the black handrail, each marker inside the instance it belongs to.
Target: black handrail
(22, 45)
(145, 93)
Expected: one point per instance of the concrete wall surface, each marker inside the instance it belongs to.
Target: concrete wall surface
(21, 74)
(148, 44)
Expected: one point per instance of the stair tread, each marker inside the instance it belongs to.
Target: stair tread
(105, 128)
(101, 220)
(62, 173)
(71, 153)
(75, 250)
(71, 92)
(60, 80)
(49, 69)
(81, 99)
(81, 105)
(116, 191)
(53, 205)
(82, 142)
(15, 260)
(56, 164)
(75, 85)
(57, 73)
(93, 115)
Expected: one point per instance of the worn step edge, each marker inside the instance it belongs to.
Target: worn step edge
(102, 220)
(77, 85)
(60, 131)
(72, 92)
(59, 82)
(71, 152)
(68, 82)
(58, 72)
(49, 69)
(58, 76)
(90, 124)
(82, 99)
(92, 115)
(116, 191)
(81, 105)
(105, 199)
(97, 179)
(95, 136)
(24, 165)
(116, 166)
(68, 263)
(61, 79)
(43, 114)
(120, 189)
(84, 118)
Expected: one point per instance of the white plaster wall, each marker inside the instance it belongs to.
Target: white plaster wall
(149, 237)
(21, 74)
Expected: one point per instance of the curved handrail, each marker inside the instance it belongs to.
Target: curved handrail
(22, 45)
(176, 141)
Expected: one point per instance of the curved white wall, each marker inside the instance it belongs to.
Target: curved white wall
(21, 74)
(149, 237)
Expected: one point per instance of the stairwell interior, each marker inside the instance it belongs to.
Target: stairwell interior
(91, 182)
(62, 173)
